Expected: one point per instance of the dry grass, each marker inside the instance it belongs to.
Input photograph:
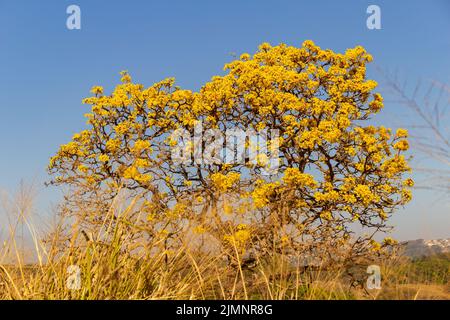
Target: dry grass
(117, 261)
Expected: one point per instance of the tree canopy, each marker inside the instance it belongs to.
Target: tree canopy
(334, 171)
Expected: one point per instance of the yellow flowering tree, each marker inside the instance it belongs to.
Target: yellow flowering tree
(334, 172)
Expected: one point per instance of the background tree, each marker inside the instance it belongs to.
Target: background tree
(428, 121)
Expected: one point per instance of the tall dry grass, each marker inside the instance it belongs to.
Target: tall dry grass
(118, 260)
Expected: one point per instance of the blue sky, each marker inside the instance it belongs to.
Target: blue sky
(47, 69)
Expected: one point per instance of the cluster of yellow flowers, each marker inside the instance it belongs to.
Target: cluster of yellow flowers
(223, 182)
(402, 145)
(97, 90)
(293, 176)
(113, 145)
(365, 194)
(240, 237)
(394, 166)
(401, 133)
(330, 196)
(103, 158)
(134, 174)
(140, 146)
(199, 229)
(262, 193)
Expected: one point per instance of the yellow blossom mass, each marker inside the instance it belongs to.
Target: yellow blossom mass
(333, 168)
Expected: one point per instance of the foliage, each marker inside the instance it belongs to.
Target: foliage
(335, 173)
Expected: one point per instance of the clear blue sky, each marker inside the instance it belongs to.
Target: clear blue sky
(46, 69)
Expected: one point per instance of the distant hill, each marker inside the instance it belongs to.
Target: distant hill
(423, 248)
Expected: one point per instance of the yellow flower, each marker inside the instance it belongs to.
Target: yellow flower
(141, 163)
(240, 237)
(131, 173)
(262, 159)
(97, 90)
(122, 127)
(83, 168)
(140, 145)
(401, 133)
(389, 241)
(326, 215)
(363, 192)
(126, 78)
(245, 56)
(406, 195)
(375, 246)
(172, 142)
(382, 215)
(199, 229)
(408, 182)
(224, 182)
(329, 196)
(293, 176)
(349, 198)
(143, 178)
(71, 148)
(284, 240)
(402, 145)
(103, 158)
(113, 145)
(351, 151)
(227, 209)
(262, 192)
